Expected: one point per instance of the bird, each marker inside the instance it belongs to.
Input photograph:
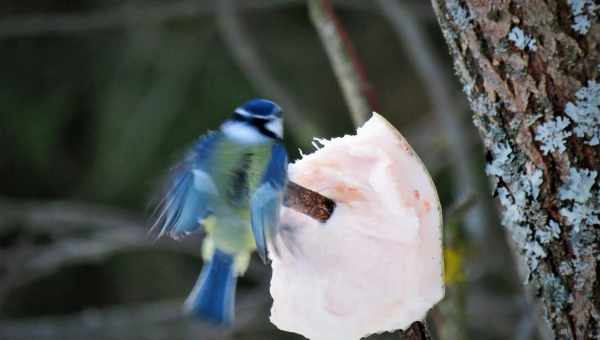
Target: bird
(231, 184)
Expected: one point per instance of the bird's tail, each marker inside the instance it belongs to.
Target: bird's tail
(213, 296)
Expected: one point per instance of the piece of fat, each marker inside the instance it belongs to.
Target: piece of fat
(376, 265)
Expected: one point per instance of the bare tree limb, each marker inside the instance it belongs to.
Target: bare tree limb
(452, 324)
(348, 69)
(247, 57)
(297, 197)
(75, 232)
(29, 25)
(358, 93)
(116, 18)
(155, 321)
(445, 107)
(449, 112)
(71, 215)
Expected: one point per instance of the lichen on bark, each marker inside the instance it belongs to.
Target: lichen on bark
(514, 93)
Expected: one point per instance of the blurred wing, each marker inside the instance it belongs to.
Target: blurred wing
(191, 192)
(267, 199)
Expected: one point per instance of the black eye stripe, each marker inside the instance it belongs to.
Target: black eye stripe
(259, 123)
(267, 132)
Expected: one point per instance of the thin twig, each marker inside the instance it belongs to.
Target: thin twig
(156, 321)
(358, 93)
(248, 58)
(348, 69)
(412, 35)
(457, 210)
(75, 232)
(445, 107)
(448, 111)
(70, 215)
(115, 18)
(30, 25)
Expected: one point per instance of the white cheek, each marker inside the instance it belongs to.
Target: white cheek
(243, 133)
(276, 127)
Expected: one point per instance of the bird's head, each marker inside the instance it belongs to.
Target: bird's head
(256, 121)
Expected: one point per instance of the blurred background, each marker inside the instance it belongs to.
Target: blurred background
(99, 98)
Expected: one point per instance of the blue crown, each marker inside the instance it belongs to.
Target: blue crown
(261, 107)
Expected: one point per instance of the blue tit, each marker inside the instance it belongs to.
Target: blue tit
(231, 184)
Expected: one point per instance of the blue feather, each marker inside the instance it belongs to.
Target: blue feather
(213, 296)
(276, 172)
(261, 107)
(191, 193)
(266, 201)
(205, 148)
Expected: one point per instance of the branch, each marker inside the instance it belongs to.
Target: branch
(70, 215)
(122, 17)
(348, 69)
(357, 90)
(249, 60)
(448, 112)
(451, 320)
(155, 321)
(446, 109)
(308, 202)
(116, 18)
(77, 233)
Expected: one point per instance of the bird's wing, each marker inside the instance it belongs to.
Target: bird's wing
(267, 199)
(191, 193)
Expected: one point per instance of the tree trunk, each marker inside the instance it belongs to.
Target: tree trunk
(528, 69)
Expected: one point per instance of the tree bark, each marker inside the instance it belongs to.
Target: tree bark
(526, 68)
